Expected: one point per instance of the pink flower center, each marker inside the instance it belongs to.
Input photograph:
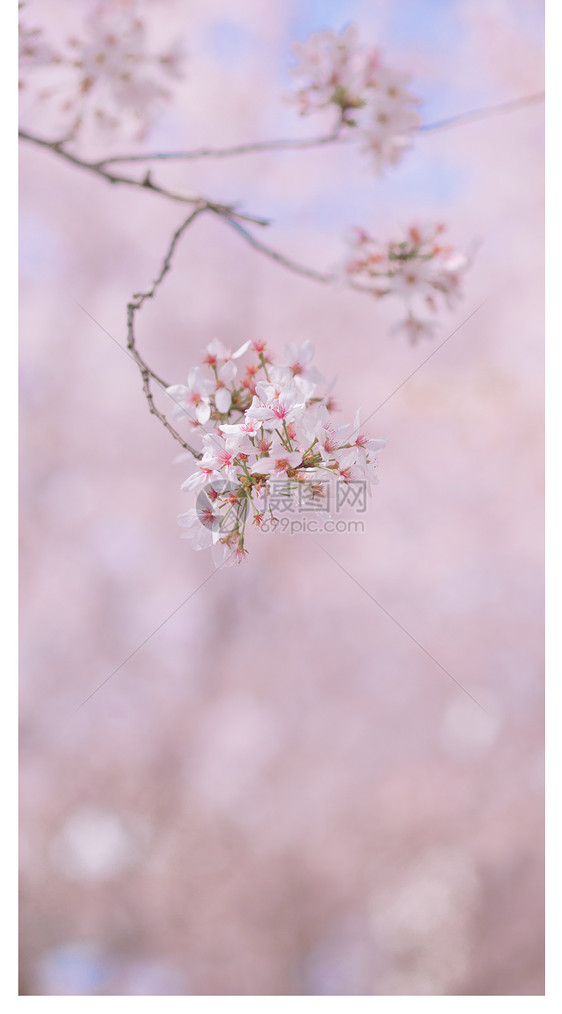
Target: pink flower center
(330, 442)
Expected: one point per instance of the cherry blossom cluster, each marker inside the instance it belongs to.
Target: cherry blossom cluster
(373, 100)
(421, 269)
(105, 76)
(260, 427)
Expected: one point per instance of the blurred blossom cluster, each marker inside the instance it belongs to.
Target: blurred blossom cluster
(373, 100)
(106, 75)
(268, 425)
(420, 269)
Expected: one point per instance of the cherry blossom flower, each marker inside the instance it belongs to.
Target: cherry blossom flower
(275, 407)
(199, 526)
(334, 67)
(278, 461)
(105, 76)
(368, 446)
(299, 360)
(217, 352)
(420, 269)
(279, 438)
(388, 119)
(193, 399)
(373, 101)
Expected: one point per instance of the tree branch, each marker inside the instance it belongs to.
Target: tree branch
(238, 149)
(227, 213)
(133, 307)
(335, 137)
(484, 113)
(146, 183)
(286, 262)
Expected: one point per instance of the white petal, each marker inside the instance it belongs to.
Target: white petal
(291, 352)
(227, 372)
(223, 399)
(177, 391)
(306, 354)
(203, 412)
(216, 348)
(263, 467)
(375, 445)
(189, 519)
(195, 481)
(240, 352)
(220, 553)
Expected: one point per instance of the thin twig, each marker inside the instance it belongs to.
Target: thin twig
(318, 276)
(335, 137)
(227, 213)
(146, 183)
(238, 149)
(133, 307)
(299, 269)
(483, 113)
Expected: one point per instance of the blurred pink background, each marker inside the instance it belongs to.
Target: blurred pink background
(280, 793)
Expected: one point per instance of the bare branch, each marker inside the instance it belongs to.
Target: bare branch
(335, 137)
(239, 149)
(133, 308)
(227, 213)
(299, 269)
(140, 297)
(318, 276)
(146, 183)
(484, 113)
